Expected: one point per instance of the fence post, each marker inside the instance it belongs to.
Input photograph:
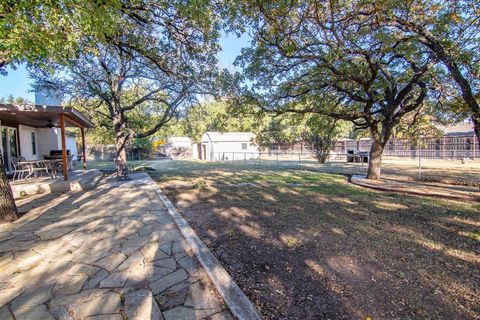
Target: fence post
(244, 158)
(277, 160)
(299, 160)
(420, 166)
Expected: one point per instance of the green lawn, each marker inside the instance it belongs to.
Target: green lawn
(444, 171)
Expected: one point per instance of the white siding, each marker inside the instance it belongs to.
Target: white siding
(218, 146)
(48, 139)
(231, 150)
(25, 142)
(195, 151)
(72, 146)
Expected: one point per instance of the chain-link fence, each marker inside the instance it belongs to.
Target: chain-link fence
(422, 165)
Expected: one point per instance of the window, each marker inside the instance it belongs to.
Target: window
(34, 143)
(5, 148)
(244, 146)
(12, 135)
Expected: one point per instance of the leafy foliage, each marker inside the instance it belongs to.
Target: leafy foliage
(49, 30)
(318, 131)
(217, 116)
(451, 32)
(322, 134)
(146, 76)
(325, 58)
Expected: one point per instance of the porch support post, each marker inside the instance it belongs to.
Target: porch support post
(84, 150)
(64, 147)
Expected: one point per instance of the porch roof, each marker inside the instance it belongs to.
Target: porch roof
(42, 116)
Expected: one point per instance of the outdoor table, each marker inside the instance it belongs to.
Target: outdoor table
(48, 164)
(52, 166)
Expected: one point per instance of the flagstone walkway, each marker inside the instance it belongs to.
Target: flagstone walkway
(109, 253)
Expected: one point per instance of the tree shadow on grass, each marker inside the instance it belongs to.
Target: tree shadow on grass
(336, 251)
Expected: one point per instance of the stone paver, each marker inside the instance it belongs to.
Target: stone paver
(113, 252)
(107, 303)
(5, 313)
(168, 281)
(38, 313)
(33, 298)
(140, 305)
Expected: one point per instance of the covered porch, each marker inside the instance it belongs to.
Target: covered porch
(36, 133)
(78, 180)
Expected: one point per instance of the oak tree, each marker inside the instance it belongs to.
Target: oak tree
(320, 58)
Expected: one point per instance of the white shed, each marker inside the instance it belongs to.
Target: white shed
(218, 146)
(179, 148)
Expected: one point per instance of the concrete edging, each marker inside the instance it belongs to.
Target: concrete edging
(238, 303)
(354, 179)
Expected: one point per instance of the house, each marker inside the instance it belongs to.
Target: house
(218, 146)
(33, 131)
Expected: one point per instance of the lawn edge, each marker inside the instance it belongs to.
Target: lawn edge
(238, 303)
(357, 180)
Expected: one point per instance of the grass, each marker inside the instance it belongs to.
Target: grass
(444, 171)
(305, 244)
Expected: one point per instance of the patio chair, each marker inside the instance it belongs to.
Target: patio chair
(123, 169)
(20, 171)
(54, 167)
(40, 167)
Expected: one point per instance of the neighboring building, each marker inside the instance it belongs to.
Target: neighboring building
(32, 131)
(178, 148)
(218, 146)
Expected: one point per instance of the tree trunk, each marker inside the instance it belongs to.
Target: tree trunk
(121, 137)
(465, 88)
(476, 127)
(323, 157)
(120, 146)
(375, 160)
(8, 209)
(454, 69)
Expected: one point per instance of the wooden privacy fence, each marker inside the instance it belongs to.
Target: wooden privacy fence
(429, 148)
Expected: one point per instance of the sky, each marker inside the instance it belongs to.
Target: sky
(17, 82)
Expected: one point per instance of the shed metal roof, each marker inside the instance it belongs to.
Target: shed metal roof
(228, 136)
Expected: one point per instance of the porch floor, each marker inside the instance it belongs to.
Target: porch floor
(79, 180)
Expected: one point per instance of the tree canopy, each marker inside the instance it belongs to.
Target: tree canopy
(51, 30)
(147, 75)
(320, 57)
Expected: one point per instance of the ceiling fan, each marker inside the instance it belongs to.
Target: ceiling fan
(50, 125)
